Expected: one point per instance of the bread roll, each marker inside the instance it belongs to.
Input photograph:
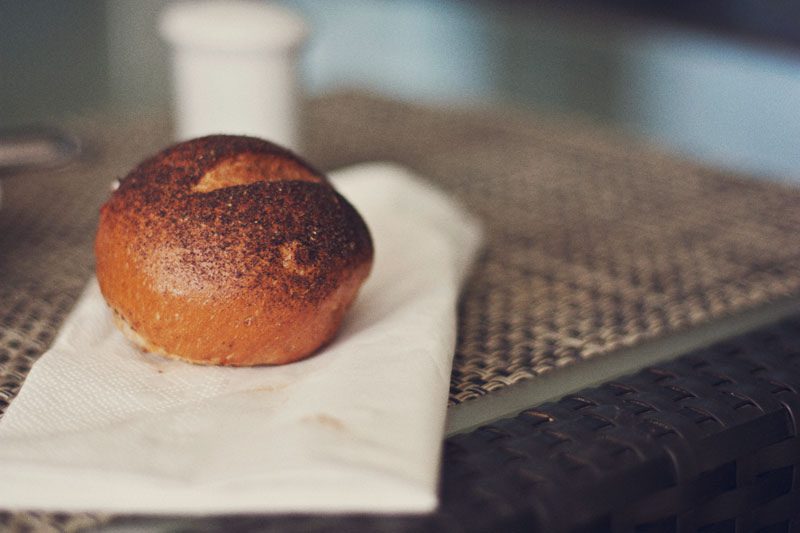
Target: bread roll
(228, 250)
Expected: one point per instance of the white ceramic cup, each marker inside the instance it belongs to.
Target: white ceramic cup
(235, 69)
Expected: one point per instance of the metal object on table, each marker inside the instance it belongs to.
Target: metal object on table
(35, 148)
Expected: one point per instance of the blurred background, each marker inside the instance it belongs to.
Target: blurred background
(717, 81)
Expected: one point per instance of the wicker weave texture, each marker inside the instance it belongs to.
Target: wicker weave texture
(709, 442)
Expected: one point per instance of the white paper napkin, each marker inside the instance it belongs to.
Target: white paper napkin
(99, 426)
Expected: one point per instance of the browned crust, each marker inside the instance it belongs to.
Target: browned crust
(230, 250)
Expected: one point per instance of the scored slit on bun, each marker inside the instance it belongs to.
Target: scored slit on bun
(230, 250)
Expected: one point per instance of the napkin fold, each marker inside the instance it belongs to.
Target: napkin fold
(99, 426)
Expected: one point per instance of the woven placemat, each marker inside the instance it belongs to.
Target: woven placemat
(594, 242)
